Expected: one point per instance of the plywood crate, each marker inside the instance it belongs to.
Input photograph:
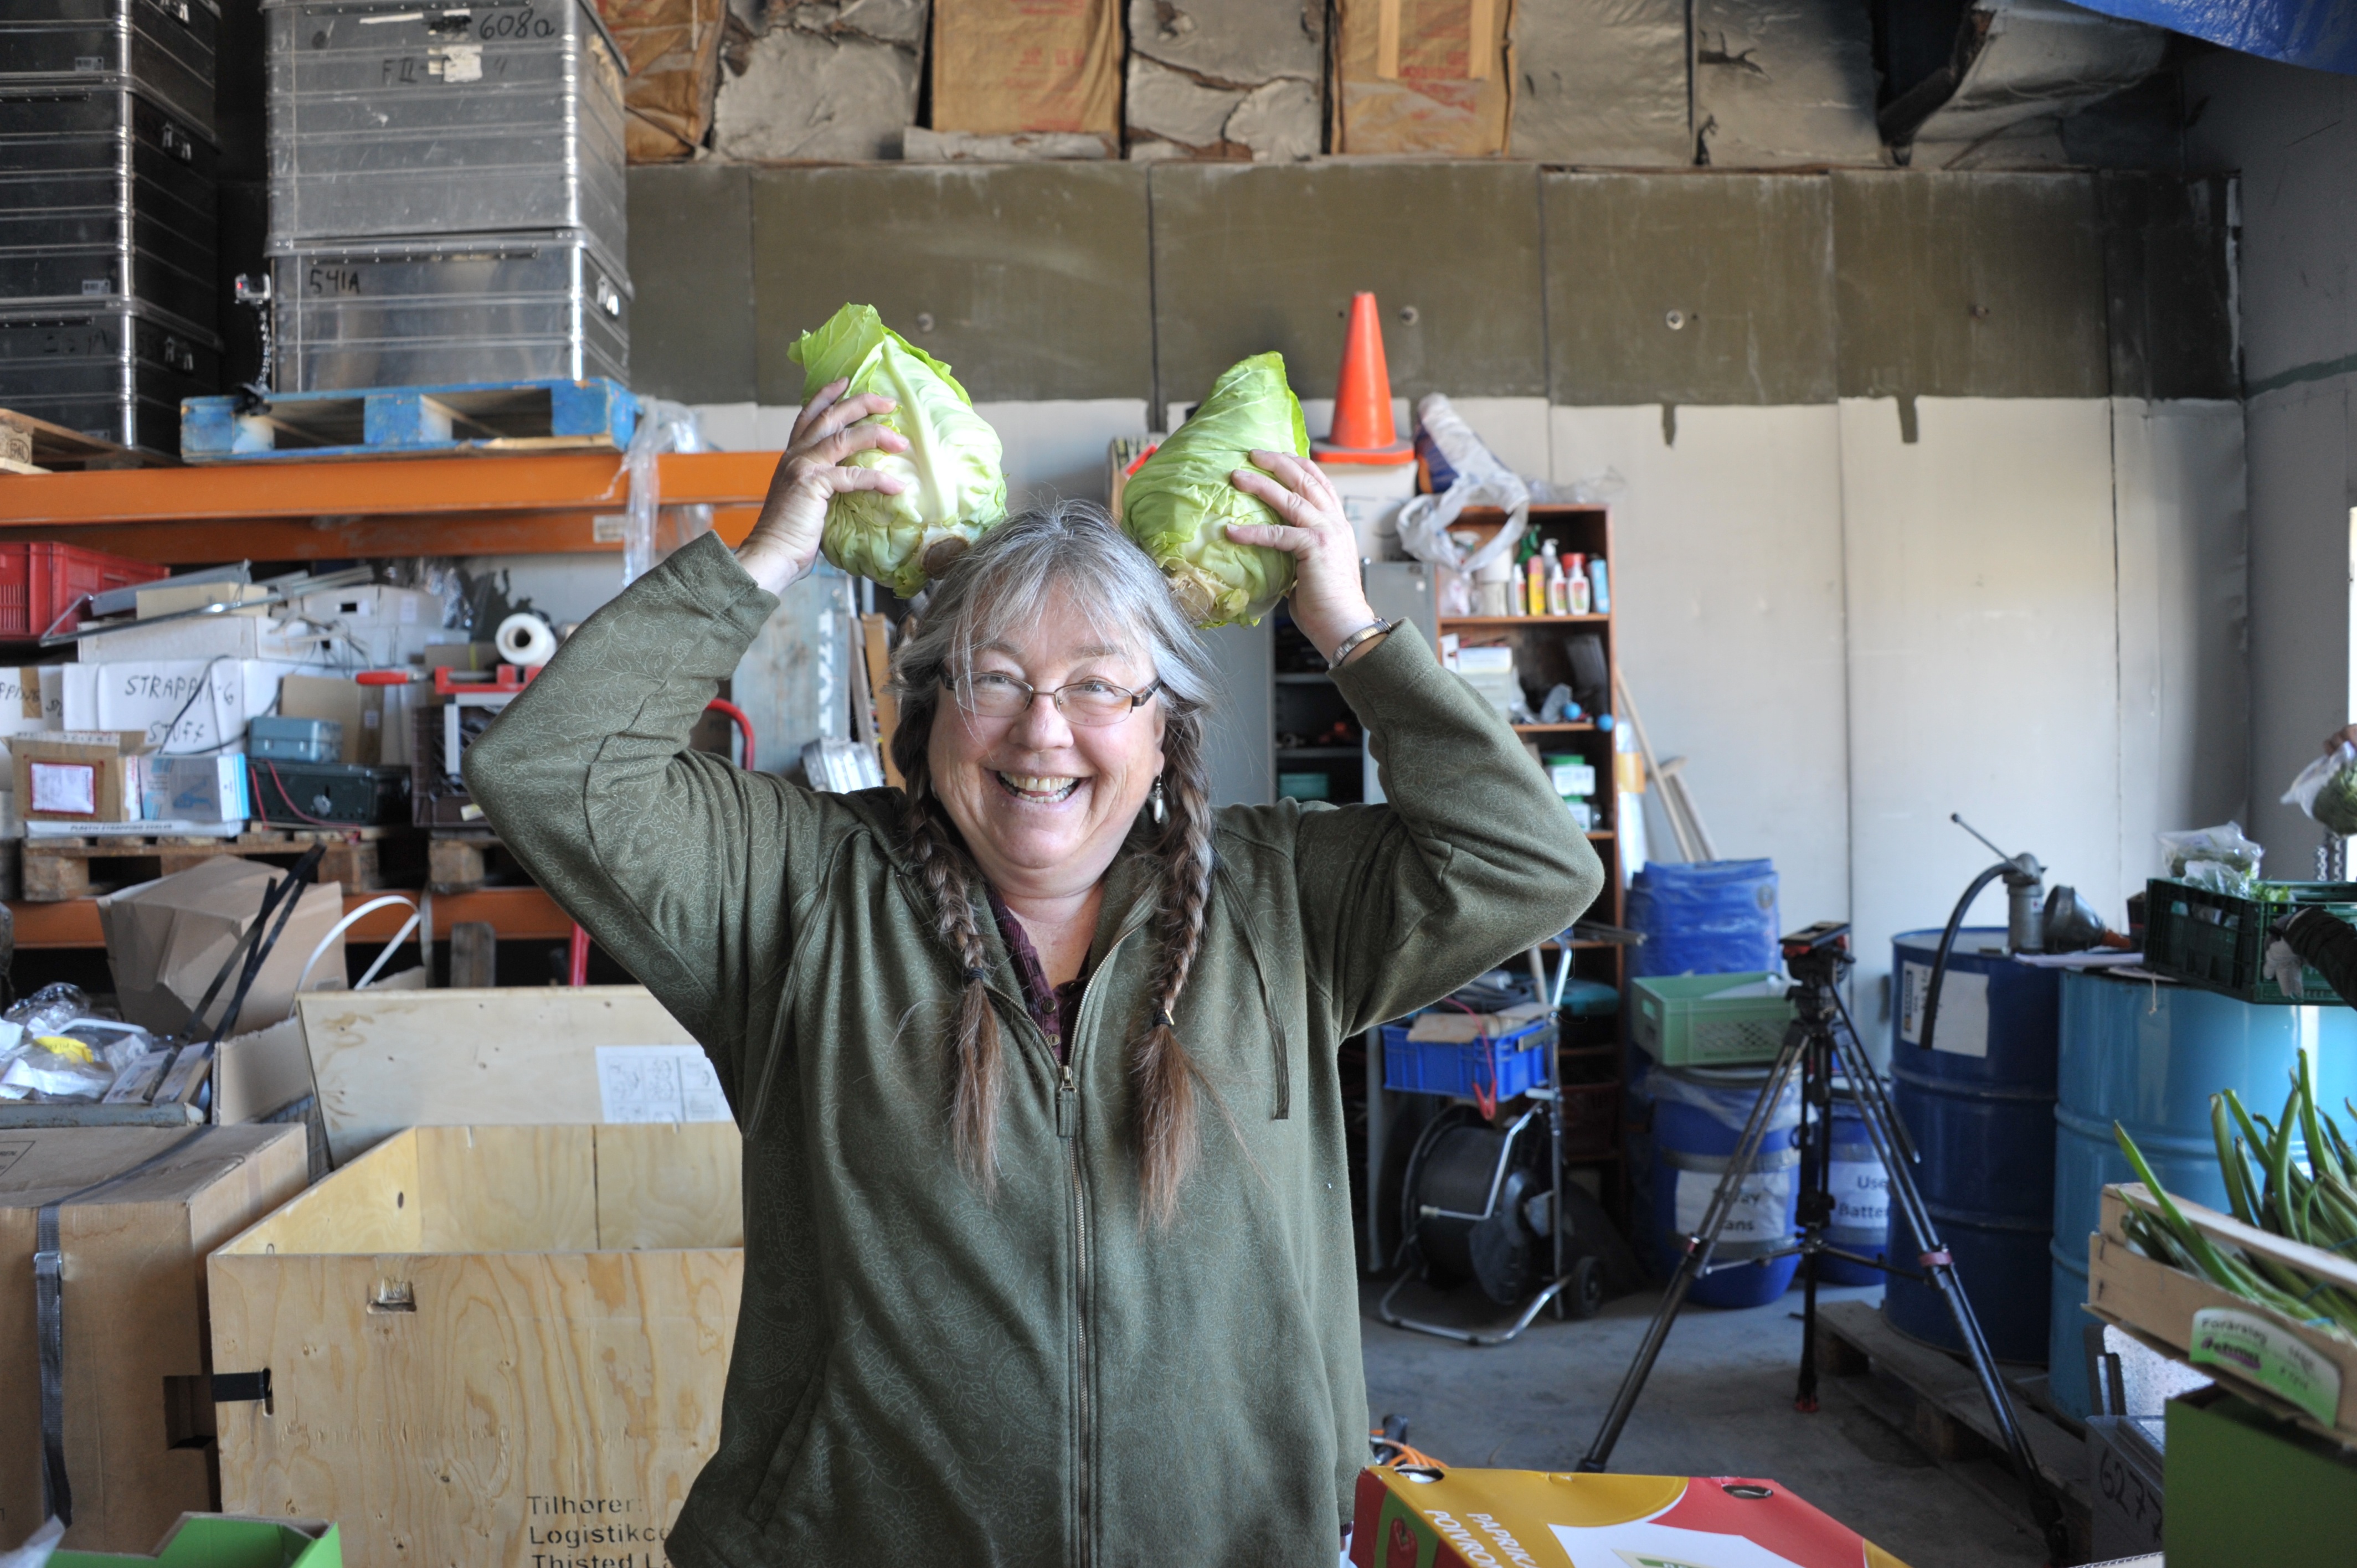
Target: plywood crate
(482, 1341)
(2158, 1304)
(133, 1312)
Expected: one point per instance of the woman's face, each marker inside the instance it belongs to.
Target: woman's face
(1044, 803)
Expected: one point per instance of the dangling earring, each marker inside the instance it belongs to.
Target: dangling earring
(1155, 804)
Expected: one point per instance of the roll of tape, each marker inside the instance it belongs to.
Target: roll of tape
(525, 639)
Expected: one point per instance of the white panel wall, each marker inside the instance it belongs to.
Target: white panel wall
(1982, 659)
(1729, 587)
(2184, 619)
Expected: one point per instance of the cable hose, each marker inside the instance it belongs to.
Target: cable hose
(1948, 940)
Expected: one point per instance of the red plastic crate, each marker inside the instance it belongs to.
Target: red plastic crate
(39, 579)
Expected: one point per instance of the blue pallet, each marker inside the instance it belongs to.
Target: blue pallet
(448, 421)
(1442, 1067)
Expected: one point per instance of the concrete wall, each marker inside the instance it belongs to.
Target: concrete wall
(2292, 134)
(1931, 501)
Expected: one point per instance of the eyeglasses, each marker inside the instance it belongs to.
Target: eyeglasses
(993, 696)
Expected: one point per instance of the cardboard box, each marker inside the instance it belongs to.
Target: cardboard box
(1423, 77)
(182, 705)
(166, 940)
(194, 789)
(134, 1315)
(1007, 66)
(1469, 1518)
(340, 700)
(68, 776)
(516, 1315)
(227, 1541)
(673, 51)
(2245, 1489)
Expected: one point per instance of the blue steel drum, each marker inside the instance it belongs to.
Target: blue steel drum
(1979, 1106)
(2149, 1057)
(1861, 1193)
(1698, 1119)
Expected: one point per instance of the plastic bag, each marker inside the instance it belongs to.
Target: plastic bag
(57, 1066)
(2327, 790)
(1713, 917)
(1479, 481)
(38, 1547)
(664, 426)
(1726, 1095)
(2221, 859)
(49, 1009)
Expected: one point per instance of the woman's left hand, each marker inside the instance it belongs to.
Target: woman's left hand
(1328, 601)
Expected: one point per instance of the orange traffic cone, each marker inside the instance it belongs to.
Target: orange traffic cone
(1364, 431)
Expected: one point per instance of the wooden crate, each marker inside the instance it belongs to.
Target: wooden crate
(137, 1420)
(471, 1333)
(2156, 1302)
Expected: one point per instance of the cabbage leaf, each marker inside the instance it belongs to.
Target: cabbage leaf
(1179, 502)
(953, 488)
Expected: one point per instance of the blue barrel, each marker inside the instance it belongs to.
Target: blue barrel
(1980, 1106)
(1712, 917)
(1861, 1193)
(1698, 1118)
(2149, 1057)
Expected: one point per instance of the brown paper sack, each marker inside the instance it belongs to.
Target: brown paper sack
(672, 49)
(1001, 67)
(166, 939)
(1426, 77)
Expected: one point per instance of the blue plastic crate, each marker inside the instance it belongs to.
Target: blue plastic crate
(1444, 1067)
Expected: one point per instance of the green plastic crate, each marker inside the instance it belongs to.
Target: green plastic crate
(227, 1541)
(1681, 1021)
(2219, 941)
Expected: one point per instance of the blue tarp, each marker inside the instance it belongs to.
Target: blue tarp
(1713, 917)
(2320, 34)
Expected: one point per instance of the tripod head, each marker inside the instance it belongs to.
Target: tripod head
(1819, 956)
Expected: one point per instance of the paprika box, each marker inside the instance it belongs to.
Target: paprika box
(1429, 1518)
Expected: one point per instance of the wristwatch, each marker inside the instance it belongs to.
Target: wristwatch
(1349, 643)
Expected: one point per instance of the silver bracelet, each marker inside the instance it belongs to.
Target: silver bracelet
(1364, 634)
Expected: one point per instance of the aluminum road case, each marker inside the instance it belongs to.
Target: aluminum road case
(114, 370)
(420, 311)
(162, 47)
(391, 120)
(105, 196)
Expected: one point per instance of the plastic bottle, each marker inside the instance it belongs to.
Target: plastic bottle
(1557, 585)
(1576, 595)
(1602, 586)
(1535, 592)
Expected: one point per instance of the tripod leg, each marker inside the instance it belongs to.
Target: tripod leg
(1698, 1253)
(1942, 1271)
(1816, 1201)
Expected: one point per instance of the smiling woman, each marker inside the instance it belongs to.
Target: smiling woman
(1048, 1253)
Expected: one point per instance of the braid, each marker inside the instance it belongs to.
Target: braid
(1160, 1068)
(981, 1061)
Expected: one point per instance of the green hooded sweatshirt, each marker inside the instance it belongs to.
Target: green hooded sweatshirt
(923, 1376)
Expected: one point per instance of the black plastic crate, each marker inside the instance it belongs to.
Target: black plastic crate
(336, 794)
(2219, 941)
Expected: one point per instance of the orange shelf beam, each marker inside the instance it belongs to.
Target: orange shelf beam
(521, 913)
(436, 506)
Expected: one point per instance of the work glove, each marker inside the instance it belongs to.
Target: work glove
(2285, 968)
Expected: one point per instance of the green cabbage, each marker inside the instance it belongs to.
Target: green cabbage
(1178, 503)
(952, 489)
(2335, 805)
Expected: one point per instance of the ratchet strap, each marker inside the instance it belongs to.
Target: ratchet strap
(48, 1301)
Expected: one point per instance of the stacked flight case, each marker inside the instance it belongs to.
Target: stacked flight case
(109, 305)
(446, 198)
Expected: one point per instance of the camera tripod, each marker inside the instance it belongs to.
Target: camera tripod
(1820, 1040)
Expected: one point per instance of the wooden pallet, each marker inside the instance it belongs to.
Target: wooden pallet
(452, 421)
(1933, 1400)
(30, 446)
(471, 862)
(55, 870)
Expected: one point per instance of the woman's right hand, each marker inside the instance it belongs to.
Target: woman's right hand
(815, 469)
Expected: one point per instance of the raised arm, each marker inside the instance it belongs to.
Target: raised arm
(1472, 857)
(687, 870)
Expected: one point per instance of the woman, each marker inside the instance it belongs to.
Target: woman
(1047, 1212)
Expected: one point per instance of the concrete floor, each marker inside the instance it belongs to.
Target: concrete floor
(1719, 1403)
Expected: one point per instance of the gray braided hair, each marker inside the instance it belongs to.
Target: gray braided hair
(1075, 547)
